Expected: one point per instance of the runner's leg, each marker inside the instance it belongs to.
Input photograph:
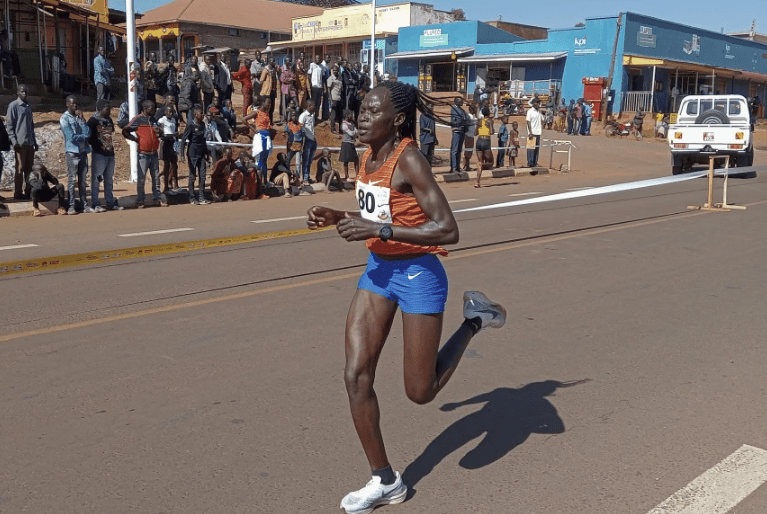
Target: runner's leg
(367, 327)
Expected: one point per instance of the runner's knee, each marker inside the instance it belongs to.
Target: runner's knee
(420, 394)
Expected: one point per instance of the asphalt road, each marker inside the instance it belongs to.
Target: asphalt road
(632, 361)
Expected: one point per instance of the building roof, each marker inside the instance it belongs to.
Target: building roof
(264, 15)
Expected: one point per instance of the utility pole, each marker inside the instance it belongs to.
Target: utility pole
(130, 25)
(373, 46)
(609, 84)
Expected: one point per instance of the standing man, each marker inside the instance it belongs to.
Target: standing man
(189, 96)
(334, 86)
(326, 95)
(101, 129)
(206, 82)
(189, 65)
(427, 133)
(199, 155)
(243, 77)
(102, 75)
(171, 78)
(256, 67)
(534, 131)
(349, 78)
(21, 132)
(287, 88)
(223, 81)
(76, 133)
(269, 86)
(587, 115)
(143, 129)
(458, 122)
(570, 116)
(318, 86)
(150, 77)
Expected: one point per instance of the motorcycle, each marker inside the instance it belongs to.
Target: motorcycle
(511, 107)
(613, 128)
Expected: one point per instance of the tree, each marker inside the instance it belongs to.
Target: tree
(458, 14)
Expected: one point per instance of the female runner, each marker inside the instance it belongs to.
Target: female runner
(404, 217)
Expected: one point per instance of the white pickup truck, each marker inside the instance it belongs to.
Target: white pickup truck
(711, 125)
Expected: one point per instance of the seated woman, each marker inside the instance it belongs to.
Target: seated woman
(326, 173)
(226, 179)
(281, 174)
(252, 187)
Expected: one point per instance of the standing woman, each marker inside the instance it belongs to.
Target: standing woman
(301, 83)
(262, 142)
(471, 132)
(404, 217)
(485, 129)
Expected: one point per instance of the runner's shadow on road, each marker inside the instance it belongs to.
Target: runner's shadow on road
(507, 419)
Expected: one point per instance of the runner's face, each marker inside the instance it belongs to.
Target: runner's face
(376, 119)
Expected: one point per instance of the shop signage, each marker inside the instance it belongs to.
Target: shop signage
(380, 44)
(434, 37)
(692, 46)
(351, 21)
(645, 37)
(728, 51)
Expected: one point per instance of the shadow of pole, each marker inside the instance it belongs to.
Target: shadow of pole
(506, 420)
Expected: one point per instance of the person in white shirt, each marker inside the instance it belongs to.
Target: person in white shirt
(306, 120)
(534, 131)
(319, 88)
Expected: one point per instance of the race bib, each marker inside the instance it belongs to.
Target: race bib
(374, 202)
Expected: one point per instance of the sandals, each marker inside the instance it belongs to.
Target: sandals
(476, 184)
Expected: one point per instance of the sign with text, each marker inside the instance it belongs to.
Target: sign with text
(434, 37)
(352, 21)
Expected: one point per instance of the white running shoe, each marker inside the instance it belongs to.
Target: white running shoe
(476, 304)
(373, 495)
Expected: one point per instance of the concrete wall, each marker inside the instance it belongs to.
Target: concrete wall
(422, 14)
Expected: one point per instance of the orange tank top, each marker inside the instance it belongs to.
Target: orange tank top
(262, 120)
(380, 203)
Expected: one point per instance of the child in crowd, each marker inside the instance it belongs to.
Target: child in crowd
(212, 135)
(228, 114)
(514, 147)
(503, 141)
(169, 149)
(348, 151)
(306, 120)
(295, 142)
(281, 174)
(326, 173)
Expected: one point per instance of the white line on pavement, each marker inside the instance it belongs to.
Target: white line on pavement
(464, 200)
(15, 247)
(722, 487)
(527, 194)
(280, 219)
(156, 232)
(579, 188)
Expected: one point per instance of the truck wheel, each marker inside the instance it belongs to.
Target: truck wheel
(676, 164)
(676, 170)
(744, 161)
(712, 117)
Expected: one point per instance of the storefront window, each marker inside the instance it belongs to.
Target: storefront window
(335, 52)
(353, 51)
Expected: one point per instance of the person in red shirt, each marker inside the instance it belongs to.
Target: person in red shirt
(143, 129)
(243, 77)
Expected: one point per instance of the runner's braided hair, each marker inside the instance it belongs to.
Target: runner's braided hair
(408, 99)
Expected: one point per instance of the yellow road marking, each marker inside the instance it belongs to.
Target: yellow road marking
(286, 287)
(82, 259)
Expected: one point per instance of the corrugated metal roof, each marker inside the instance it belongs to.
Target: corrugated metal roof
(542, 56)
(263, 15)
(437, 52)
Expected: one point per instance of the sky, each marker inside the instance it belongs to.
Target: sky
(706, 14)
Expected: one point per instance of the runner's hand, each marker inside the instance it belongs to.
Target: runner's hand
(354, 228)
(320, 217)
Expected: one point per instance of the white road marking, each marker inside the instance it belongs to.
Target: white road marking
(156, 232)
(16, 247)
(722, 487)
(464, 200)
(527, 194)
(579, 188)
(280, 219)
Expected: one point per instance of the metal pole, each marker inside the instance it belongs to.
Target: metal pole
(696, 83)
(713, 81)
(39, 43)
(87, 51)
(45, 32)
(130, 19)
(373, 44)
(676, 87)
(652, 89)
(710, 182)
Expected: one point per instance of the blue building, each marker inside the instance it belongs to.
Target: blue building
(650, 63)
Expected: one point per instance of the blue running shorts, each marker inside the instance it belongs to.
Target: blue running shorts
(419, 285)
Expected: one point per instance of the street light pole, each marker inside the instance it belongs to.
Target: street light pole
(373, 46)
(130, 24)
